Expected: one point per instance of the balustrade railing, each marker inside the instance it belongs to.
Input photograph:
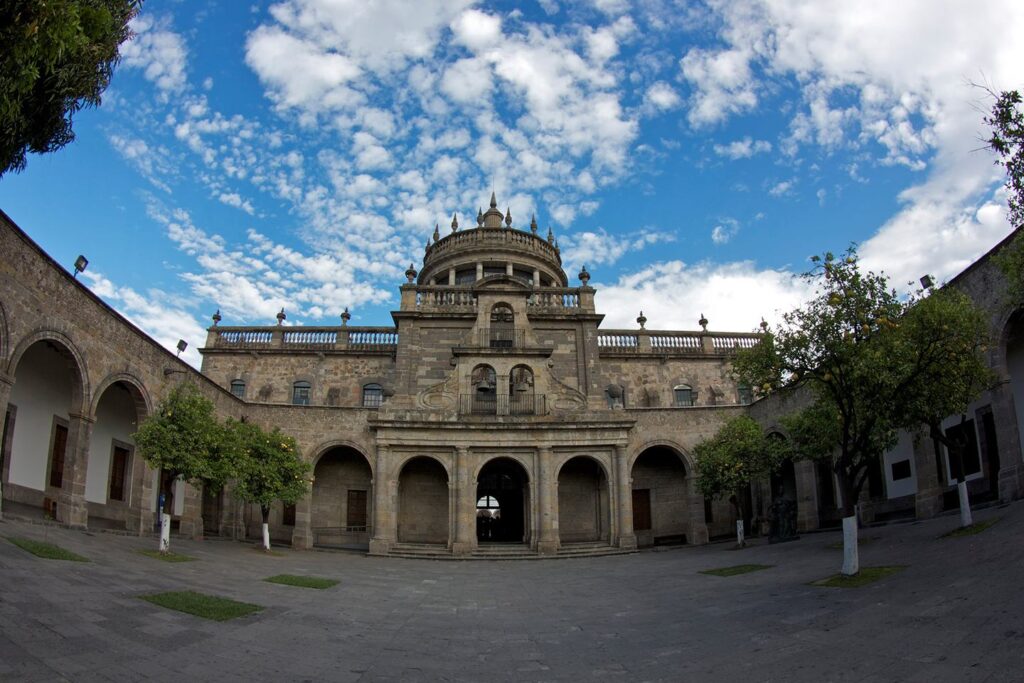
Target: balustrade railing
(244, 338)
(554, 297)
(501, 237)
(305, 338)
(671, 342)
(487, 403)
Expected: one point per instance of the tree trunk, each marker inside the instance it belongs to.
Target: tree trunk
(851, 554)
(741, 541)
(266, 526)
(955, 451)
(165, 532)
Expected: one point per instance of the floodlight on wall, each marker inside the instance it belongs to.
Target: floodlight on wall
(182, 345)
(927, 282)
(81, 263)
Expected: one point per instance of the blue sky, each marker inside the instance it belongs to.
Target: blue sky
(298, 154)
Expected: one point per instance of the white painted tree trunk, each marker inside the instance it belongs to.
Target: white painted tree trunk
(165, 532)
(965, 504)
(740, 539)
(266, 536)
(851, 556)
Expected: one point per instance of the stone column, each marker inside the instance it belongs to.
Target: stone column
(536, 277)
(508, 269)
(141, 515)
(191, 525)
(465, 504)
(547, 492)
(806, 496)
(6, 383)
(71, 507)
(698, 532)
(479, 271)
(451, 277)
(1008, 439)
(384, 531)
(928, 499)
(624, 487)
(302, 534)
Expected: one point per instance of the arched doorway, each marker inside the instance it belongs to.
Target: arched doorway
(502, 327)
(115, 476)
(340, 511)
(583, 508)
(423, 502)
(660, 499)
(503, 503)
(47, 388)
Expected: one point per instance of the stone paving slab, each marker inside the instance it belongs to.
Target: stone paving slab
(955, 613)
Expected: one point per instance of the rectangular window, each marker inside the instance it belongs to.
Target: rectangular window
(373, 396)
(900, 470)
(238, 388)
(119, 472)
(300, 394)
(746, 394)
(641, 509)
(684, 397)
(288, 515)
(355, 517)
(59, 445)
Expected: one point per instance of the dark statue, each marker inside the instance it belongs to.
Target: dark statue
(783, 519)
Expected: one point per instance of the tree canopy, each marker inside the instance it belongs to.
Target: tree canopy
(1007, 140)
(57, 58)
(736, 455)
(270, 468)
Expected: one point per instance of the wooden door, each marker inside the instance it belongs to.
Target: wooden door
(641, 509)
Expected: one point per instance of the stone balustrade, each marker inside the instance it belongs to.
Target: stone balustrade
(462, 298)
(500, 238)
(302, 338)
(670, 342)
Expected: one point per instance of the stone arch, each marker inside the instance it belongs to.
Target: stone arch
(521, 390)
(141, 396)
(688, 462)
(80, 372)
(324, 447)
(341, 497)
(505, 479)
(662, 494)
(424, 504)
(483, 387)
(5, 343)
(584, 500)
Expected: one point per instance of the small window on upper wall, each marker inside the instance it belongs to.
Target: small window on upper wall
(300, 394)
(684, 395)
(746, 394)
(373, 395)
(238, 388)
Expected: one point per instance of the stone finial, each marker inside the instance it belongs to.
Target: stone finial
(641, 320)
(427, 247)
(533, 224)
(455, 222)
(281, 317)
(216, 318)
(479, 218)
(410, 273)
(437, 233)
(703, 322)
(551, 236)
(508, 217)
(584, 276)
(558, 249)
(345, 317)
(494, 201)
(764, 325)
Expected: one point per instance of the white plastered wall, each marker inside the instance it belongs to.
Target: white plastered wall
(115, 420)
(904, 450)
(42, 390)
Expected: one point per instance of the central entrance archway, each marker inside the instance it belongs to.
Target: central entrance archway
(503, 503)
(423, 502)
(583, 508)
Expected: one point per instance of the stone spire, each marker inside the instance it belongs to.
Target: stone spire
(551, 236)
(479, 218)
(494, 200)
(437, 233)
(455, 222)
(508, 217)
(533, 224)
(493, 218)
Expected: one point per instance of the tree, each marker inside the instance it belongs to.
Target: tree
(57, 58)
(942, 340)
(831, 346)
(1007, 140)
(183, 439)
(738, 454)
(269, 470)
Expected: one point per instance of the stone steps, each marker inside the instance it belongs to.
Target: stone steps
(426, 551)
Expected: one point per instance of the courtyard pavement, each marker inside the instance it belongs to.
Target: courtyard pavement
(955, 613)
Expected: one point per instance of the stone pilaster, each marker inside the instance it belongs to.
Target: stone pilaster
(806, 495)
(547, 490)
(384, 532)
(624, 489)
(71, 507)
(302, 534)
(698, 532)
(191, 525)
(141, 516)
(6, 383)
(465, 504)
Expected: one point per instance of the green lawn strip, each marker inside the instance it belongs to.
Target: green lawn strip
(865, 576)
(975, 528)
(205, 606)
(737, 569)
(46, 550)
(302, 581)
(166, 557)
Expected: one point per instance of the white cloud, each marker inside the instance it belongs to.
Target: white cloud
(662, 96)
(743, 148)
(594, 248)
(781, 188)
(725, 230)
(236, 200)
(159, 52)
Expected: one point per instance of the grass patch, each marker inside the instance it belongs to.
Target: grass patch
(975, 528)
(166, 557)
(205, 606)
(865, 576)
(46, 550)
(302, 581)
(736, 570)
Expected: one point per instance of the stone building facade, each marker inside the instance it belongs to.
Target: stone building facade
(494, 417)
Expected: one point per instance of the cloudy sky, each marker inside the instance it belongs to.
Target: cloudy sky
(297, 154)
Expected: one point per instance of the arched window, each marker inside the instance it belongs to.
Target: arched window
(502, 327)
(684, 395)
(300, 393)
(484, 396)
(238, 388)
(521, 400)
(373, 395)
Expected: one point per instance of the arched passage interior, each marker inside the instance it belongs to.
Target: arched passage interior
(1015, 368)
(114, 476)
(503, 503)
(342, 497)
(660, 499)
(423, 502)
(583, 509)
(47, 382)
